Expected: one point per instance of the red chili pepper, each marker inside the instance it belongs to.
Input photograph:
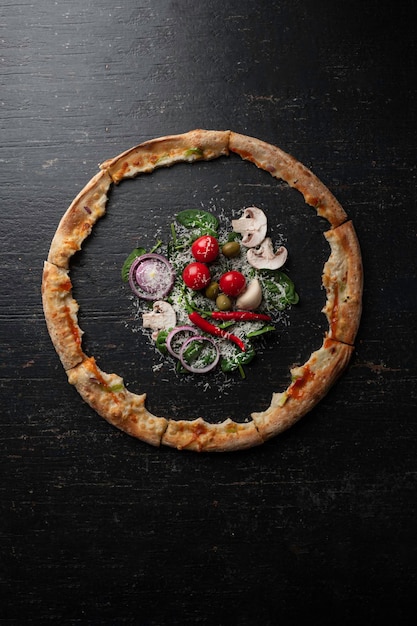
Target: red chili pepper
(211, 329)
(240, 315)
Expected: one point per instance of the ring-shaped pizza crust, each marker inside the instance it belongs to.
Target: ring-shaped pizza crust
(106, 394)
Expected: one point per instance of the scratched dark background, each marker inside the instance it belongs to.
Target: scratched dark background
(98, 528)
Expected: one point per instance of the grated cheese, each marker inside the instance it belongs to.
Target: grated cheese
(180, 258)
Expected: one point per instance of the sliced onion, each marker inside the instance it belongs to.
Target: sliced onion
(199, 370)
(171, 335)
(151, 276)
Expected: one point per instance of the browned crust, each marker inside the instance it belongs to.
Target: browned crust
(310, 384)
(60, 310)
(108, 396)
(343, 281)
(284, 166)
(201, 436)
(106, 393)
(78, 220)
(195, 145)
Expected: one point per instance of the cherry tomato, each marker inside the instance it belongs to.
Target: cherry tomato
(196, 276)
(205, 248)
(232, 283)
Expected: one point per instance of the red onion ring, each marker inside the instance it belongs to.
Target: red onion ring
(172, 334)
(199, 370)
(144, 290)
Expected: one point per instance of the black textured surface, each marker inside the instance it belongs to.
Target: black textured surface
(99, 528)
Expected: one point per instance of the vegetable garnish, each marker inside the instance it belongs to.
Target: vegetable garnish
(207, 275)
(196, 276)
(198, 363)
(205, 249)
(211, 329)
(232, 283)
(237, 359)
(137, 252)
(260, 331)
(151, 276)
(278, 289)
(199, 220)
(173, 333)
(243, 316)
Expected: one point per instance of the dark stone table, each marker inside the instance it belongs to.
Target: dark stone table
(317, 525)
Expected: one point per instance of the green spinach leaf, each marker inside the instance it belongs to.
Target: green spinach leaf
(128, 262)
(202, 221)
(237, 359)
(278, 289)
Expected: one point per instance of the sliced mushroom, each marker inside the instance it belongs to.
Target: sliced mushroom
(252, 225)
(162, 317)
(251, 298)
(264, 256)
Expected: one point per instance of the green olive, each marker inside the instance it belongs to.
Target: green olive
(231, 249)
(223, 303)
(212, 291)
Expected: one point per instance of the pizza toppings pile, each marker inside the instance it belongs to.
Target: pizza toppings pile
(193, 332)
(214, 291)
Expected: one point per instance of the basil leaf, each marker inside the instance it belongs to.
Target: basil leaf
(128, 262)
(198, 219)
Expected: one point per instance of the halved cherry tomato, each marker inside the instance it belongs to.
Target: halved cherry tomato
(232, 283)
(196, 276)
(205, 248)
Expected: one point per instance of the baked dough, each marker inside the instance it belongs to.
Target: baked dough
(106, 393)
(61, 311)
(79, 219)
(343, 281)
(310, 383)
(285, 167)
(195, 145)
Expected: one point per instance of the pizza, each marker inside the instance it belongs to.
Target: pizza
(342, 279)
